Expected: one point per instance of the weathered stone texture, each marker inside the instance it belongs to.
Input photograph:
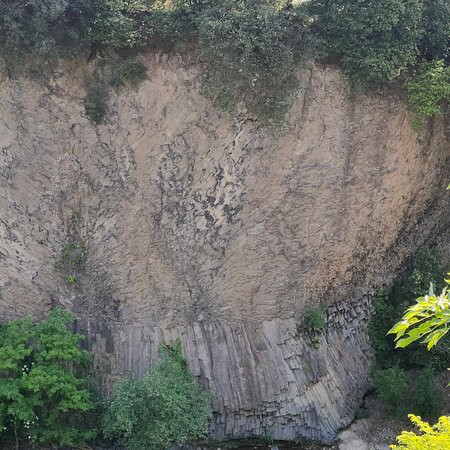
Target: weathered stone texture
(210, 228)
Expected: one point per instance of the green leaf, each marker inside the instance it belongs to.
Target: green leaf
(406, 341)
(434, 337)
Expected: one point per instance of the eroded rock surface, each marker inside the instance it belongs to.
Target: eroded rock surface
(210, 228)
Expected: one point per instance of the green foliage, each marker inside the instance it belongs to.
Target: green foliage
(413, 391)
(403, 392)
(129, 71)
(114, 25)
(171, 23)
(392, 388)
(71, 279)
(427, 87)
(95, 102)
(436, 437)
(390, 304)
(315, 320)
(250, 50)
(165, 408)
(435, 42)
(72, 259)
(73, 255)
(378, 326)
(43, 395)
(133, 23)
(429, 319)
(425, 398)
(40, 26)
(315, 341)
(375, 39)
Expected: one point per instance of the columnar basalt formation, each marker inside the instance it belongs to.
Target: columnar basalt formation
(213, 229)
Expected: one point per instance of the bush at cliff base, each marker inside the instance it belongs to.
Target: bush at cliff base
(165, 408)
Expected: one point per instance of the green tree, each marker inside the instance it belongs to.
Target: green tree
(376, 39)
(392, 387)
(250, 50)
(425, 397)
(165, 408)
(428, 320)
(134, 23)
(435, 42)
(115, 23)
(43, 394)
(418, 392)
(414, 391)
(40, 26)
(390, 304)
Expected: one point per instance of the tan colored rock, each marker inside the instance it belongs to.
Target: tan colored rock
(208, 227)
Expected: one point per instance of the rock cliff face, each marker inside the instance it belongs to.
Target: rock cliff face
(178, 220)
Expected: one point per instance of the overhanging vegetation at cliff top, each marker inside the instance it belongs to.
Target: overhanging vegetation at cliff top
(250, 48)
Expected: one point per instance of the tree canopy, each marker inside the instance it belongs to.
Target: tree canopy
(251, 48)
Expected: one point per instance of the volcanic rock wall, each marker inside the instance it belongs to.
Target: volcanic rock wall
(195, 224)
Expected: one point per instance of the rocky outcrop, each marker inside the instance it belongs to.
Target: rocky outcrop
(269, 379)
(198, 225)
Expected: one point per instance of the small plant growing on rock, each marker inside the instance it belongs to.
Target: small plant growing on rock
(129, 71)
(315, 341)
(315, 320)
(95, 102)
(72, 260)
(315, 324)
(73, 255)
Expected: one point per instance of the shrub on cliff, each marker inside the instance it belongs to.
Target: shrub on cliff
(96, 100)
(250, 50)
(315, 320)
(39, 26)
(428, 86)
(127, 24)
(43, 394)
(375, 39)
(165, 408)
(435, 42)
(129, 71)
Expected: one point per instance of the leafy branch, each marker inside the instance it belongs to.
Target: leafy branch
(429, 319)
